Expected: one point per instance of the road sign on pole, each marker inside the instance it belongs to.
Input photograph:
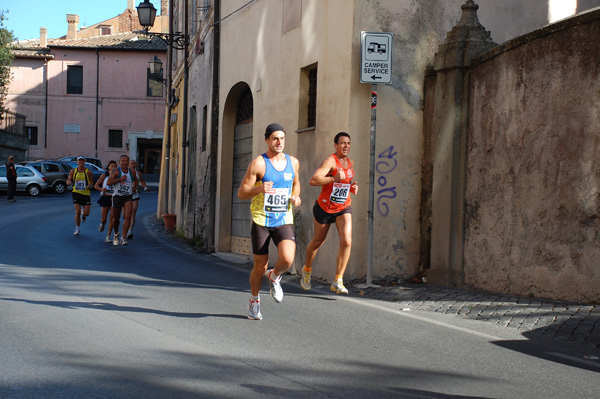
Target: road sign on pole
(376, 57)
(375, 68)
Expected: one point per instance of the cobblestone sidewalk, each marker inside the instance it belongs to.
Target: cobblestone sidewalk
(564, 321)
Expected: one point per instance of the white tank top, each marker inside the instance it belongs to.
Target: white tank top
(109, 190)
(123, 188)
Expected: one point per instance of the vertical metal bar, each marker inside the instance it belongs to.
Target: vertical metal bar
(372, 183)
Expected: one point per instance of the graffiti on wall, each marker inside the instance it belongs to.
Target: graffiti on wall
(384, 166)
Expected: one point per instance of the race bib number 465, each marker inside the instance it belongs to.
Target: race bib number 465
(277, 201)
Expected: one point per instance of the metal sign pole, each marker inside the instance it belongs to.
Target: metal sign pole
(372, 183)
(375, 67)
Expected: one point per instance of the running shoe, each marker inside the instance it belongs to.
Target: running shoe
(254, 310)
(76, 233)
(83, 217)
(276, 291)
(108, 239)
(305, 280)
(115, 239)
(123, 241)
(129, 234)
(101, 227)
(338, 287)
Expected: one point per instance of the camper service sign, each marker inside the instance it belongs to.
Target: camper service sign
(376, 57)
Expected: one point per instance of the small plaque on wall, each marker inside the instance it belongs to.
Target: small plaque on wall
(72, 128)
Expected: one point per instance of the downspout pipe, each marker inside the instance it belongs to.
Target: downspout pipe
(97, 96)
(169, 98)
(214, 131)
(184, 142)
(46, 103)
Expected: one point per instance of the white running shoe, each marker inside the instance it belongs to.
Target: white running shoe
(254, 310)
(123, 241)
(338, 287)
(129, 234)
(108, 239)
(76, 233)
(115, 239)
(305, 280)
(101, 227)
(276, 291)
(83, 217)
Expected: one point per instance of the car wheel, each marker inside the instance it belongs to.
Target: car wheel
(60, 187)
(33, 190)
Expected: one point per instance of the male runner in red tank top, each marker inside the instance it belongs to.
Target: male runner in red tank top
(336, 178)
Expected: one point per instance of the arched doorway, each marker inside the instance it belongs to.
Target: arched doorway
(242, 155)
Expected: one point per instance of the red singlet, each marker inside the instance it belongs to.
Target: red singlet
(335, 197)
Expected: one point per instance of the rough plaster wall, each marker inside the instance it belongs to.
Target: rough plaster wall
(508, 19)
(200, 91)
(419, 27)
(533, 195)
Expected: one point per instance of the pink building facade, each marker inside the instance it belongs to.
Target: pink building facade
(91, 96)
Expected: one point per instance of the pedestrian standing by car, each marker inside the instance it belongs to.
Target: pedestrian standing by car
(82, 181)
(136, 194)
(273, 185)
(335, 176)
(11, 176)
(105, 200)
(123, 180)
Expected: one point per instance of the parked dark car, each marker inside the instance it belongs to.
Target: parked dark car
(28, 179)
(56, 173)
(91, 160)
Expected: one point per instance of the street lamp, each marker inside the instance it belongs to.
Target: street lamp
(146, 16)
(155, 66)
(156, 72)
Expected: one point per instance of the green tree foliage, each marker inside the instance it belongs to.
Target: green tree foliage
(6, 57)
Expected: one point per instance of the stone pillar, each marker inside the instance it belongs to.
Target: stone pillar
(467, 40)
(164, 7)
(73, 21)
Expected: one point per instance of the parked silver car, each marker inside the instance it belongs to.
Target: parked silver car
(56, 173)
(28, 179)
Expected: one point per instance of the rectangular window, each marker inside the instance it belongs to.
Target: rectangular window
(115, 138)
(105, 30)
(74, 79)
(204, 119)
(193, 19)
(312, 98)
(193, 129)
(155, 86)
(32, 133)
(307, 99)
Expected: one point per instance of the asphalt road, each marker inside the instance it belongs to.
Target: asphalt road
(80, 318)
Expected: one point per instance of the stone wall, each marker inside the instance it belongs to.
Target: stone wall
(13, 139)
(533, 168)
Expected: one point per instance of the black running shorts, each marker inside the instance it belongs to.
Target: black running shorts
(118, 201)
(323, 217)
(81, 199)
(261, 236)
